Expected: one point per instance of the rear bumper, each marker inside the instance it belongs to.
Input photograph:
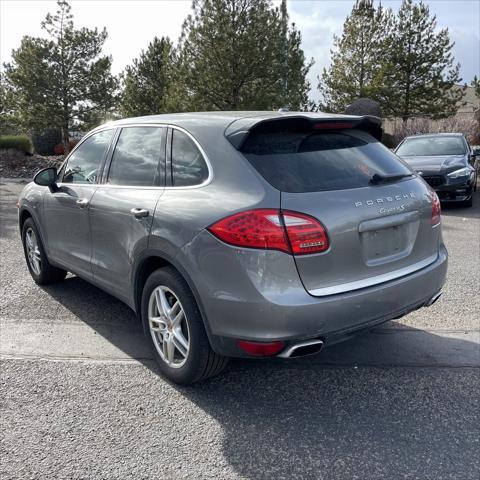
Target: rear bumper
(252, 297)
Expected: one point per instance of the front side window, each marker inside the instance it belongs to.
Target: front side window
(136, 158)
(188, 165)
(85, 163)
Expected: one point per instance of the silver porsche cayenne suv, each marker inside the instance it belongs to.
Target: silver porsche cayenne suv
(239, 234)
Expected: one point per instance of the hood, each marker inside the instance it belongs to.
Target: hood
(437, 164)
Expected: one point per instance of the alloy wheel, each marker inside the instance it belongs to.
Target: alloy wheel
(33, 251)
(168, 327)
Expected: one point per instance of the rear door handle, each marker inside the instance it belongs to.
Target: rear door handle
(139, 212)
(83, 202)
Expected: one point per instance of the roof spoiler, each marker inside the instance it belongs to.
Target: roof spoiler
(238, 131)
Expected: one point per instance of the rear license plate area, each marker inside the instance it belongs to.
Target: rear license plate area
(386, 244)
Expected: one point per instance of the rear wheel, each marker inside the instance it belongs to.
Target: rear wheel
(175, 331)
(40, 268)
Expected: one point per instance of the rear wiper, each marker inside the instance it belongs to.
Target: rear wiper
(377, 178)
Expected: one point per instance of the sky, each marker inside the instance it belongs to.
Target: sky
(131, 25)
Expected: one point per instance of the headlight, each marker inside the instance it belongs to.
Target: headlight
(463, 172)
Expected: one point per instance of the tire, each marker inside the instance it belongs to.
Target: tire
(38, 265)
(181, 348)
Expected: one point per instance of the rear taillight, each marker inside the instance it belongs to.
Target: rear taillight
(306, 234)
(253, 229)
(436, 209)
(270, 229)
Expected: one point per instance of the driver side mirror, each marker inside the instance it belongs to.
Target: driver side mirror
(476, 152)
(47, 178)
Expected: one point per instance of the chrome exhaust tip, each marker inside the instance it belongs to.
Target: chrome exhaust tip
(302, 349)
(433, 299)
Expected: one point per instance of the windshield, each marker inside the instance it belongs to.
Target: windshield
(431, 146)
(299, 160)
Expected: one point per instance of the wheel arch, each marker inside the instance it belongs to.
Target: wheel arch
(22, 216)
(25, 213)
(153, 260)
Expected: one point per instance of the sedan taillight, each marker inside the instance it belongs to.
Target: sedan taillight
(271, 229)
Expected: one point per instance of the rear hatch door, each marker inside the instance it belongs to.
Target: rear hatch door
(377, 212)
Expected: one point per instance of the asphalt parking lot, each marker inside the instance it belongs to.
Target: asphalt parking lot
(81, 398)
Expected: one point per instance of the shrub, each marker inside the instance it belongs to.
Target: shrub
(460, 123)
(45, 141)
(364, 106)
(59, 149)
(388, 140)
(18, 142)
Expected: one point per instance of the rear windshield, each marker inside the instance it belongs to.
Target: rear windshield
(309, 161)
(431, 146)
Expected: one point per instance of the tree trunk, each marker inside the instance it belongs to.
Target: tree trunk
(65, 140)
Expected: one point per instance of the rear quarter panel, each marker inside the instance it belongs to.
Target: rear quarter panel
(182, 213)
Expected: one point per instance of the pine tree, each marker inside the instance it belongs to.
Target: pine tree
(476, 85)
(295, 88)
(10, 121)
(356, 57)
(419, 70)
(149, 83)
(62, 81)
(233, 55)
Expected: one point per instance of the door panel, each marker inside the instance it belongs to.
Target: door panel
(117, 234)
(67, 226)
(65, 211)
(122, 210)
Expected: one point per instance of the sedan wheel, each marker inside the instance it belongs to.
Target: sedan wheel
(169, 327)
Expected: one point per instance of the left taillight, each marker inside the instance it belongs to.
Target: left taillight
(271, 229)
(436, 209)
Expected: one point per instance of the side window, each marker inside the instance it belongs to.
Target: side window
(84, 164)
(136, 157)
(188, 164)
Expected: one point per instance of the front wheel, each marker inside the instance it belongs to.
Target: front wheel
(175, 331)
(469, 203)
(40, 268)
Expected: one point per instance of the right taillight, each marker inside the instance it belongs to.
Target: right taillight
(436, 209)
(270, 229)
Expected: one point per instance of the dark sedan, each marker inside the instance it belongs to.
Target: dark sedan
(446, 162)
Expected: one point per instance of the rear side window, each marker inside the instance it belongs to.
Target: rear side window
(305, 160)
(136, 159)
(84, 164)
(188, 165)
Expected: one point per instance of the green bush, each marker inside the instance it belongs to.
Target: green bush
(18, 142)
(44, 142)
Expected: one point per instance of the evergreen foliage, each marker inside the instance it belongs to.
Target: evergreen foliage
(63, 80)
